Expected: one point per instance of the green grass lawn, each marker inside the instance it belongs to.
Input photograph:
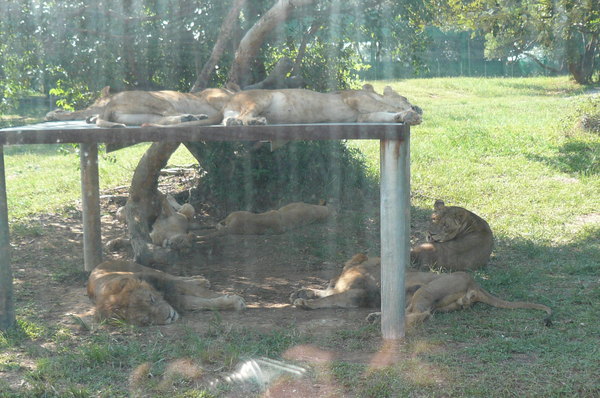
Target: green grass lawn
(506, 149)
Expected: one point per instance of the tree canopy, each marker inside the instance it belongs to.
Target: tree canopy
(557, 34)
(77, 47)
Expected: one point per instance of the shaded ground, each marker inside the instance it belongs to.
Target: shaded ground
(50, 281)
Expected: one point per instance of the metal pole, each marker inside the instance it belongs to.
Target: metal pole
(90, 198)
(395, 233)
(7, 309)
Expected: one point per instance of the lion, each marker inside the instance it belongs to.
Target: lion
(426, 292)
(261, 107)
(159, 108)
(231, 107)
(96, 108)
(144, 296)
(287, 217)
(459, 240)
(171, 228)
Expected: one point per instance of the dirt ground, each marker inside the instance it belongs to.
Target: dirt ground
(48, 272)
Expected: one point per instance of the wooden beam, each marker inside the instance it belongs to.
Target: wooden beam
(79, 132)
(7, 312)
(90, 199)
(395, 233)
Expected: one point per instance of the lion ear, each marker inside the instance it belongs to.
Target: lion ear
(233, 87)
(439, 205)
(388, 91)
(368, 87)
(105, 92)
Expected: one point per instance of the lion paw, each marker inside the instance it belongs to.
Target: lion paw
(193, 118)
(231, 121)
(259, 121)
(373, 317)
(301, 294)
(409, 117)
(181, 242)
(301, 303)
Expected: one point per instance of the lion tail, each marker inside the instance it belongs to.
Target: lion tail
(489, 299)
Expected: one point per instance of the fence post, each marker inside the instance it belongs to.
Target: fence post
(395, 233)
(7, 309)
(90, 198)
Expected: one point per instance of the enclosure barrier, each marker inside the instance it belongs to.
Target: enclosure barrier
(395, 189)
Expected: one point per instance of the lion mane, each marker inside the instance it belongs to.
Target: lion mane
(144, 296)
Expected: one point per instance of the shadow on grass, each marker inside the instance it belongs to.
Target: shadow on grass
(575, 156)
(563, 270)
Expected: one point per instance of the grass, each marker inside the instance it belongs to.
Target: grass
(505, 148)
(52, 172)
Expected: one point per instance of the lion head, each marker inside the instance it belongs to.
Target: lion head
(135, 301)
(457, 240)
(448, 222)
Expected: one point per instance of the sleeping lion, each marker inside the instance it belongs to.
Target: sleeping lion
(297, 105)
(287, 217)
(163, 108)
(144, 296)
(426, 292)
(221, 105)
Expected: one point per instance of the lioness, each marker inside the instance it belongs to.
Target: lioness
(305, 106)
(96, 108)
(288, 217)
(458, 240)
(145, 296)
(134, 108)
(426, 292)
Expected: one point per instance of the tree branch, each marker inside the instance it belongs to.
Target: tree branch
(254, 38)
(540, 63)
(219, 47)
(145, 204)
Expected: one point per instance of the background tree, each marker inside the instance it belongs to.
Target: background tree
(564, 31)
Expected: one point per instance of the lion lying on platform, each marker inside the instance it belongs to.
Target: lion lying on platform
(144, 296)
(96, 108)
(458, 240)
(134, 108)
(288, 217)
(426, 292)
(216, 105)
(305, 106)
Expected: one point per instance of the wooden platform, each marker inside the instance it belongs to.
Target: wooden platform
(395, 189)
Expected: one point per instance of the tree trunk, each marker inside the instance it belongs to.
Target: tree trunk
(582, 66)
(224, 35)
(145, 203)
(302, 49)
(254, 38)
(278, 77)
